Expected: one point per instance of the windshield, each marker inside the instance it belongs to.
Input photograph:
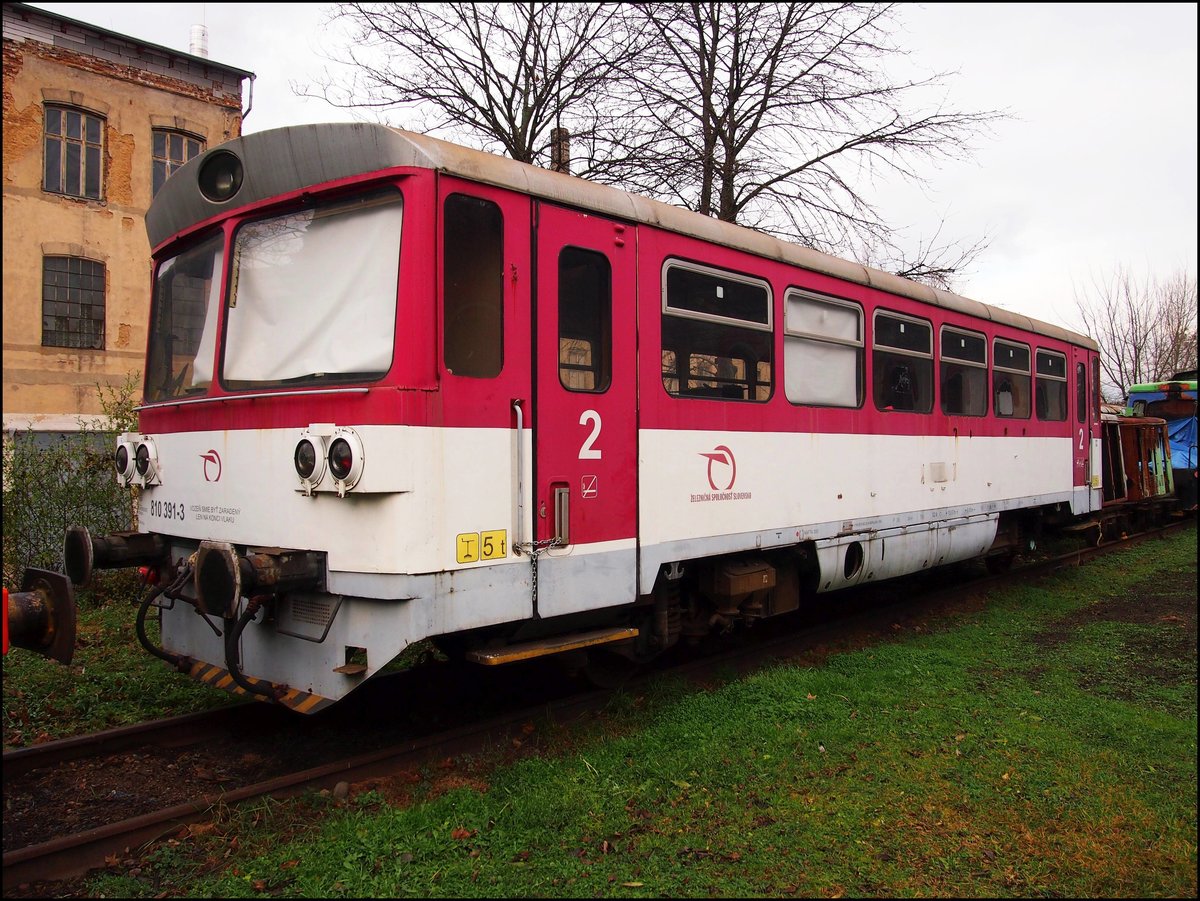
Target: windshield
(312, 299)
(313, 295)
(183, 323)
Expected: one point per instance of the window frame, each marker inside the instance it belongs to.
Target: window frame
(602, 345)
(1027, 373)
(961, 361)
(676, 312)
(64, 141)
(877, 348)
(73, 296)
(794, 335)
(171, 167)
(495, 360)
(1062, 381)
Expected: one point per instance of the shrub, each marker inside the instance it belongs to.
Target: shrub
(51, 483)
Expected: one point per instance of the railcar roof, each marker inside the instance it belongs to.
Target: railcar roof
(286, 159)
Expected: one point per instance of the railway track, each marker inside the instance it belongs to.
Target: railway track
(242, 731)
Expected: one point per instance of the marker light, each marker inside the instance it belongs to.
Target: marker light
(145, 463)
(305, 459)
(341, 458)
(346, 459)
(143, 459)
(122, 459)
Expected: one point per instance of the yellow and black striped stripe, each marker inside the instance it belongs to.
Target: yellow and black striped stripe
(299, 701)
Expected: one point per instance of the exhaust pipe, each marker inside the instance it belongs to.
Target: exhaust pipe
(223, 576)
(41, 616)
(84, 552)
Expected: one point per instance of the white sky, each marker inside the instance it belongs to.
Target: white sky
(1096, 168)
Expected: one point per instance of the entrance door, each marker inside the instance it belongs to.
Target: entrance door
(585, 420)
(1081, 430)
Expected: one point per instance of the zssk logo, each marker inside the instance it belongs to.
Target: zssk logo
(721, 466)
(212, 466)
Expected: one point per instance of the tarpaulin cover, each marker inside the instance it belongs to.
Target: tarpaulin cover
(1182, 435)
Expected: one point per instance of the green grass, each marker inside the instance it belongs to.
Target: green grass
(111, 681)
(1042, 745)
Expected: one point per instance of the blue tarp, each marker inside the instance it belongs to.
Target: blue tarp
(1182, 435)
(1180, 432)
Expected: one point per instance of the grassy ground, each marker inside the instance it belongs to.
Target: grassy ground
(111, 681)
(1044, 744)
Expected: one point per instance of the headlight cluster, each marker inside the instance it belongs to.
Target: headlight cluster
(136, 460)
(323, 449)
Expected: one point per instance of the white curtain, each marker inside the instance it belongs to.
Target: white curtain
(314, 294)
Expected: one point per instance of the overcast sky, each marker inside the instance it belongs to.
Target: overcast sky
(1095, 168)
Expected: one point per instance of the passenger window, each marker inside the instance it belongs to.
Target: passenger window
(963, 373)
(903, 364)
(1051, 386)
(716, 334)
(1010, 379)
(473, 286)
(823, 351)
(584, 320)
(1081, 392)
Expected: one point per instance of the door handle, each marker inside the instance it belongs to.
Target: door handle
(562, 515)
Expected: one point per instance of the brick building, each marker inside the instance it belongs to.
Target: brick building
(94, 122)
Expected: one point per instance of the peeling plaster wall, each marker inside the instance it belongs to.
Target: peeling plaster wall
(59, 384)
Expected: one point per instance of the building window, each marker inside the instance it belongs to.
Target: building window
(964, 373)
(822, 351)
(903, 363)
(74, 157)
(171, 149)
(72, 303)
(716, 334)
(1010, 379)
(1051, 387)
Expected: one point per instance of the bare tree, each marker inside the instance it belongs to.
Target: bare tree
(780, 113)
(501, 75)
(1146, 330)
(771, 115)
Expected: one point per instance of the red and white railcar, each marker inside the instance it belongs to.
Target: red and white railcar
(398, 389)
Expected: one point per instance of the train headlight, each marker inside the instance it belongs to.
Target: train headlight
(306, 459)
(346, 460)
(309, 459)
(220, 176)
(145, 462)
(124, 459)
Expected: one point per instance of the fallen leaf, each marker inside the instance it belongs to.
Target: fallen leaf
(288, 864)
(461, 834)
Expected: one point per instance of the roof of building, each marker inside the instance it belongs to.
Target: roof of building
(25, 9)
